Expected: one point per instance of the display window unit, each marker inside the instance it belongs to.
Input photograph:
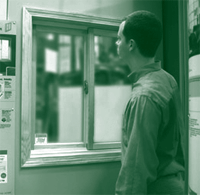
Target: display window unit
(74, 89)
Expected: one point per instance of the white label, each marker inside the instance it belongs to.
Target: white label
(3, 168)
(40, 138)
(1, 88)
(6, 118)
(194, 69)
(7, 91)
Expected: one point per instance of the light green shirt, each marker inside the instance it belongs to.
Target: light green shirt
(152, 131)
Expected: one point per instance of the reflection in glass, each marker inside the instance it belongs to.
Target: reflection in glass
(112, 89)
(194, 27)
(59, 86)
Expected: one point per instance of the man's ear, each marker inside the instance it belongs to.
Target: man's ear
(132, 45)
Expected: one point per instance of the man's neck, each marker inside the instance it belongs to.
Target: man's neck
(136, 63)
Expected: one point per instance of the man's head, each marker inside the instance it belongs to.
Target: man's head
(142, 28)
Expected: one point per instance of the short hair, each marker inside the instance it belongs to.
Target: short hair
(145, 29)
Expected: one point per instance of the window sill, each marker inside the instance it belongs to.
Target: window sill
(63, 156)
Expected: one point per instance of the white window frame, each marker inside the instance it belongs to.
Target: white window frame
(61, 154)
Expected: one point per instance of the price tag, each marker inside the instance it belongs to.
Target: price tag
(40, 138)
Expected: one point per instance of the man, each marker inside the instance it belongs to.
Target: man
(152, 132)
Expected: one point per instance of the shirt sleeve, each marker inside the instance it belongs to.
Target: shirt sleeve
(140, 162)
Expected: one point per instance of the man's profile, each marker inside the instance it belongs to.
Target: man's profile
(152, 130)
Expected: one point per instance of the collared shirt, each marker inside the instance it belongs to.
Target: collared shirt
(152, 131)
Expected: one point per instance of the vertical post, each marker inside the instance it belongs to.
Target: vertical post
(183, 78)
(90, 77)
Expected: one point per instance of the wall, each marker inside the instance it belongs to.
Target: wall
(171, 38)
(78, 179)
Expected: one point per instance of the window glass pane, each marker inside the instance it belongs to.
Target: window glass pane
(4, 50)
(59, 86)
(112, 90)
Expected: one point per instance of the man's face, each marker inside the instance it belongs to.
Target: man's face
(122, 46)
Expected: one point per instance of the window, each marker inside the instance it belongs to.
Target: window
(74, 89)
(7, 54)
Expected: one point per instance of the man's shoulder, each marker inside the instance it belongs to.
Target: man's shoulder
(158, 81)
(158, 86)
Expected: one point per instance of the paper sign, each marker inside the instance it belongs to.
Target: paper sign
(5, 118)
(1, 87)
(40, 138)
(7, 92)
(3, 166)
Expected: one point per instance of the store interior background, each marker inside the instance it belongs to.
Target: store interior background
(98, 178)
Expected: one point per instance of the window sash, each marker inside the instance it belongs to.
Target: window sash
(88, 130)
(38, 28)
(92, 32)
(88, 110)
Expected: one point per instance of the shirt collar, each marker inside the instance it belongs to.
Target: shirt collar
(136, 75)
